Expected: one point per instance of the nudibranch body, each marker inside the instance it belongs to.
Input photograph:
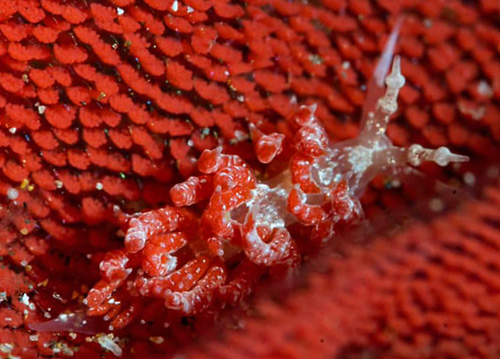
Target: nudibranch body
(176, 255)
(192, 261)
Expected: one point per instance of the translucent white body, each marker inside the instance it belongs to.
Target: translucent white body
(356, 161)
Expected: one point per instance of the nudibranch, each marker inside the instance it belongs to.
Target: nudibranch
(227, 225)
(176, 255)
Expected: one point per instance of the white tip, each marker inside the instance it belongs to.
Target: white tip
(443, 156)
(385, 60)
(395, 80)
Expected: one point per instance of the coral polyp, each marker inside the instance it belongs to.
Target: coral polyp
(180, 257)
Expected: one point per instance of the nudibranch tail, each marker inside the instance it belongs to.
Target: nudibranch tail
(77, 322)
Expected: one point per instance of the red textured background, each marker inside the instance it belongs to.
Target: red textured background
(112, 109)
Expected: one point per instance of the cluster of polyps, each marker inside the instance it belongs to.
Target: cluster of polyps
(180, 259)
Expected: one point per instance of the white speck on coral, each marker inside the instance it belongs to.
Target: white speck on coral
(156, 340)
(484, 89)
(395, 183)
(25, 299)
(107, 342)
(436, 205)
(476, 113)
(33, 338)
(41, 109)
(469, 178)
(175, 6)
(6, 347)
(12, 194)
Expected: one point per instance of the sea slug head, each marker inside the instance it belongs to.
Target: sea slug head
(359, 160)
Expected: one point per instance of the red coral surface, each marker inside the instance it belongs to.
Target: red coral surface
(105, 105)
